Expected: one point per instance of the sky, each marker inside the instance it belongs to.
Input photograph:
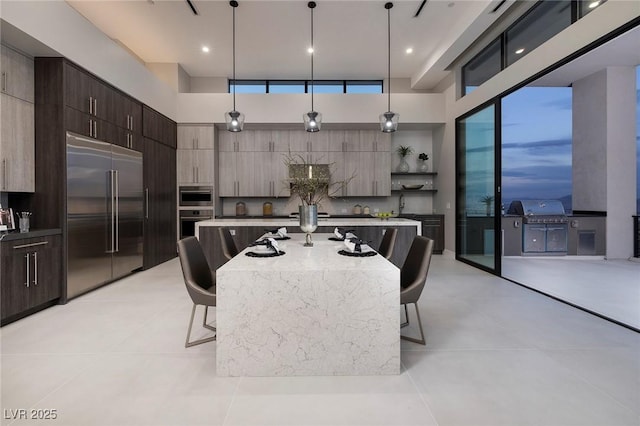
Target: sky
(536, 142)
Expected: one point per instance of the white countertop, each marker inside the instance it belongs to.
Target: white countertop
(341, 222)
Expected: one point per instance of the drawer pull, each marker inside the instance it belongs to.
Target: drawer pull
(31, 245)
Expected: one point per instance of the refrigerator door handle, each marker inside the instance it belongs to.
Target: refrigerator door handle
(112, 205)
(146, 203)
(117, 211)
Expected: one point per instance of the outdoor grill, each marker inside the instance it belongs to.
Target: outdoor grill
(545, 226)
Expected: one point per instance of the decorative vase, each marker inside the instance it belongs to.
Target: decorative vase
(424, 166)
(403, 167)
(308, 221)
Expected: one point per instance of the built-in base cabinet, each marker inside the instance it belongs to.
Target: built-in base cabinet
(31, 275)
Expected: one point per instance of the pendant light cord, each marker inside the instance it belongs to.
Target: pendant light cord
(389, 58)
(234, 57)
(312, 55)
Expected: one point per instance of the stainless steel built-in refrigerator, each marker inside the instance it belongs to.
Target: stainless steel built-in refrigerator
(104, 213)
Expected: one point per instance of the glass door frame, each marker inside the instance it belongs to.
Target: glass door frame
(497, 179)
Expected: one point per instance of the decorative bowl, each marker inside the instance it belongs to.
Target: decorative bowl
(412, 186)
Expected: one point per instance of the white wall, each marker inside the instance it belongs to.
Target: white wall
(59, 26)
(427, 108)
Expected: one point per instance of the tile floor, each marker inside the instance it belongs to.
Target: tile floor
(496, 354)
(608, 287)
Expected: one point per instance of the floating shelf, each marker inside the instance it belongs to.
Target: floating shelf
(414, 174)
(406, 191)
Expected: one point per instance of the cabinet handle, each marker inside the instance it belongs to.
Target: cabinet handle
(4, 81)
(91, 105)
(4, 173)
(41, 243)
(146, 203)
(35, 268)
(95, 129)
(26, 258)
(91, 128)
(95, 106)
(131, 122)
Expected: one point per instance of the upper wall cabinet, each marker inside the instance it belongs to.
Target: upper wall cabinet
(17, 142)
(87, 94)
(17, 135)
(158, 127)
(17, 74)
(195, 136)
(236, 141)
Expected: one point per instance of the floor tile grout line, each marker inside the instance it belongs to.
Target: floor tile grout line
(587, 381)
(420, 395)
(233, 399)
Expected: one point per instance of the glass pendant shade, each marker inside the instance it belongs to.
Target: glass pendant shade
(389, 122)
(312, 121)
(234, 120)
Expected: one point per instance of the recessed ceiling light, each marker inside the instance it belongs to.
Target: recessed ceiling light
(310, 50)
(519, 51)
(594, 4)
(409, 50)
(205, 49)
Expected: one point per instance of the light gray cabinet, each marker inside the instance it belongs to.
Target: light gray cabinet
(16, 74)
(195, 166)
(17, 142)
(374, 140)
(271, 140)
(195, 154)
(192, 136)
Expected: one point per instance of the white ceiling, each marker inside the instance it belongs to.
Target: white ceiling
(272, 37)
(623, 50)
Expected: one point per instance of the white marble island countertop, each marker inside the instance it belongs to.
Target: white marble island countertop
(340, 222)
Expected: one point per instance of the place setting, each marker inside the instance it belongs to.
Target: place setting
(341, 234)
(278, 234)
(355, 247)
(265, 247)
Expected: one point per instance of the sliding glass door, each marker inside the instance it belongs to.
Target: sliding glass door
(477, 183)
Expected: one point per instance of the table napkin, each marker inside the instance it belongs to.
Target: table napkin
(353, 245)
(280, 232)
(269, 242)
(343, 234)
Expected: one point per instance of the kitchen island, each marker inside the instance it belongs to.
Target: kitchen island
(245, 231)
(308, 312)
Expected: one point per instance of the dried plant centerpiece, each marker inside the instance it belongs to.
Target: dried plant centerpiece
(311, 183)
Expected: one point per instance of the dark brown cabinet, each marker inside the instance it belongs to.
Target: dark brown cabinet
(31, 275)
(159, 128)
(433, 227)
(160, 203)
(88, 94)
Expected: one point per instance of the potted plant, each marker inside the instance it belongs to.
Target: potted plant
(423, 157)
(403, 152)
(487, 200)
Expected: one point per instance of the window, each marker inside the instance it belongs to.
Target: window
(326, 86)
(586, 6)
(364, 86)
(542, 22)
(249, 86)
(286, 86)
(482, 67)
(304, 86)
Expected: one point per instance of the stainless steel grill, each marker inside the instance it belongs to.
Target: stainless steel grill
(545, 226)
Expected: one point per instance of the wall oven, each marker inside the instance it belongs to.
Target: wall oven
(188, 219)
(201, 196)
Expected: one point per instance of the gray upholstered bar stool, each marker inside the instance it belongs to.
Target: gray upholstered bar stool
(229, 248)
(200, 282)
(388, 243)
(413, 276)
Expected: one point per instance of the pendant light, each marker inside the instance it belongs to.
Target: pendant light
(389, 119)
(312, 119)
(234, 119)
